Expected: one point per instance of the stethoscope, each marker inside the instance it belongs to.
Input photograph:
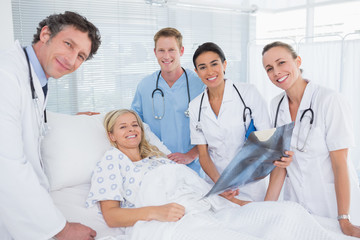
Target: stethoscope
(246, 109)
(301, 149)
(41, 118)
(157, 89)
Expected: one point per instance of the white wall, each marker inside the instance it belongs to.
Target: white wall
(6, 26)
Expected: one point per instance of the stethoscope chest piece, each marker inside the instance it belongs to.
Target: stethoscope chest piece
(187, 114)
(198, 127)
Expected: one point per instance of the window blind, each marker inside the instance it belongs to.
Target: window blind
(109, 80)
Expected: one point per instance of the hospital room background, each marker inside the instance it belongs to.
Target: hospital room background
(325, 33)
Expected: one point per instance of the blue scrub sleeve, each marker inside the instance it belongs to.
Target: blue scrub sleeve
(136, 104)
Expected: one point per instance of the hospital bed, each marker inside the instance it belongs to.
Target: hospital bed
(73, 146)
(70, 150)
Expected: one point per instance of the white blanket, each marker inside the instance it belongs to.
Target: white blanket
(217, 218)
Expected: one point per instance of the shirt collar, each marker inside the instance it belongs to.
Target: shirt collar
(36, 65)
(228, 93)
(308, 97)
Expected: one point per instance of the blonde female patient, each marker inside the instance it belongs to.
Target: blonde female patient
(135, 185)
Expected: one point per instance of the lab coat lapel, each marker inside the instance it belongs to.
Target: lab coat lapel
(206, 108)
(306, 99)
(284, 116)
(36, 81)
(227, 97)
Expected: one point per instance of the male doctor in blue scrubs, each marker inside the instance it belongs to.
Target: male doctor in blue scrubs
(162, 99)
(62, 43)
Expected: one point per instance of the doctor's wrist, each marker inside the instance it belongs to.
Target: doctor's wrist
(342, 217)
(62, 233)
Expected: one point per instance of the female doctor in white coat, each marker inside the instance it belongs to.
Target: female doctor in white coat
(217, 124)
(320, 177)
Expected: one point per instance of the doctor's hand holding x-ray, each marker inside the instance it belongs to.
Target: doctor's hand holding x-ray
(321, 178)
(62, 43)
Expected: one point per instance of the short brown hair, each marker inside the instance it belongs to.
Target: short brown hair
(169, 32)
(57, 22)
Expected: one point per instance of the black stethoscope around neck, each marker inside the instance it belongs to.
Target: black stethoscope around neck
(301, 149)
(34, 95)
(33, 92)
(157, 89)
(246, 109)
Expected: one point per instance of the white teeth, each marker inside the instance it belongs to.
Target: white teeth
(132, 136)
(282, 79)
(213, 78)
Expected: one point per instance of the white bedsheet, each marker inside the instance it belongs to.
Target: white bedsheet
(264, 220)
(216, 218)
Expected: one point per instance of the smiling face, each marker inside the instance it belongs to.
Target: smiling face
(282, 69)
(63, 53)
(210, 69)
(168, 53)
(126, 133)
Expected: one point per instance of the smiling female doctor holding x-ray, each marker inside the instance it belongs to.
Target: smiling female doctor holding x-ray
(320, 178)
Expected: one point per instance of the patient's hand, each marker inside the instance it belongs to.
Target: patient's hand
(284, 161)
(349, 229)
(182, 158)
(230, 195)
(171, 212)
(75, 231)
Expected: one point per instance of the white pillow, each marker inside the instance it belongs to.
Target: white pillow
(73, 146)
(71, 202)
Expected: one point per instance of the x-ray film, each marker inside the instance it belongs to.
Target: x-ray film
(255, 160)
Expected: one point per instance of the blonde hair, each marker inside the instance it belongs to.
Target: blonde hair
(145, 148)
(169, 32)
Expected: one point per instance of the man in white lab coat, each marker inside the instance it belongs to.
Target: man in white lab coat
(62, 43)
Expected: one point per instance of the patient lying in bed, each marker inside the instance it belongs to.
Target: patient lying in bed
(135, 185)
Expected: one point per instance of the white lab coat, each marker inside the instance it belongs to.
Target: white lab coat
(310, 178)
(225, 134)
(26, 208)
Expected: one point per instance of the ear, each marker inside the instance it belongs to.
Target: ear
(195, 70)
(45, 34)
(111, 136)
(224, 65)
(181, 51)
(155, 51)
(298, 61)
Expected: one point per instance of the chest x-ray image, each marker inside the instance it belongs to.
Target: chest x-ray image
(255, 160)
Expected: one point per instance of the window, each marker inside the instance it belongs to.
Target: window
(126, 55)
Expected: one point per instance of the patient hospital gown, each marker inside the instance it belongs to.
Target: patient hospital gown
(116, 177)
(157, 181)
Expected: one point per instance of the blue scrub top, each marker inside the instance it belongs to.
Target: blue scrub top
(173, 129)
